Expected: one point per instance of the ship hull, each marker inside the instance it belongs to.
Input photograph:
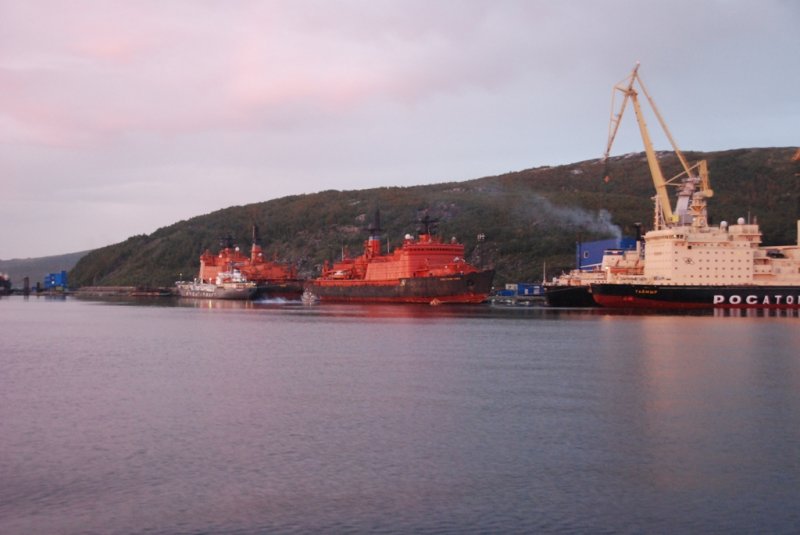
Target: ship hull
(291, 289)
(695, 297)
(213, 291)
(569, 296)
(458, 288)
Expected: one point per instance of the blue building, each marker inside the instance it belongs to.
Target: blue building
(56, 281)
(590, 254)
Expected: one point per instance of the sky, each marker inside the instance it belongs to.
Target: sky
(118, 117)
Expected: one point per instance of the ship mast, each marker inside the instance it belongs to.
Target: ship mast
(665, 216)
(255, 247)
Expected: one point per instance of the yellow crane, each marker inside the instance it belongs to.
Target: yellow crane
(685, 180)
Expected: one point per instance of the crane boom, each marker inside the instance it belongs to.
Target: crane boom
(630, 94)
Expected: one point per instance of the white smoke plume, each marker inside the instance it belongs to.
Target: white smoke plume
(599, 222)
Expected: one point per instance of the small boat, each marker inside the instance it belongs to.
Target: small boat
(227, 285)
(308, 298)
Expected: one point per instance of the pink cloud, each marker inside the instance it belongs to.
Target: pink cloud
(114, 66)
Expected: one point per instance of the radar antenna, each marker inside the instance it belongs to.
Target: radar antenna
(427, 225)
(226, 242)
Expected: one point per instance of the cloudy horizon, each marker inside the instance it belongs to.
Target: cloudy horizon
(118, 118)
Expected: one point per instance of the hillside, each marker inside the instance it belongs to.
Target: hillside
(528, 217)
(36, 269)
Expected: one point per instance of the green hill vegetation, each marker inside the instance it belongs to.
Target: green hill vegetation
(529, 217)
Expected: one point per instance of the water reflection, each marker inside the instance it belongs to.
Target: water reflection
(757, 312)
(216, 304)
(394, 418)
(695, 388)
(383, 311)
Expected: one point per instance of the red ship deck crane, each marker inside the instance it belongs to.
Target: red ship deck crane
(686, 181)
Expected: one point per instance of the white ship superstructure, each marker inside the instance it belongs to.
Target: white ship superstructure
(687, 262)
(727, 254)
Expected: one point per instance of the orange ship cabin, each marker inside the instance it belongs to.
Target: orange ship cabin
(212, 265)
(425, 257)
(254, 268)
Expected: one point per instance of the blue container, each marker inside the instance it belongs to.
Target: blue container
(529, 289)
(590, 254)
(55, 280)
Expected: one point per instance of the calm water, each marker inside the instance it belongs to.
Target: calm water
(204, 417)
